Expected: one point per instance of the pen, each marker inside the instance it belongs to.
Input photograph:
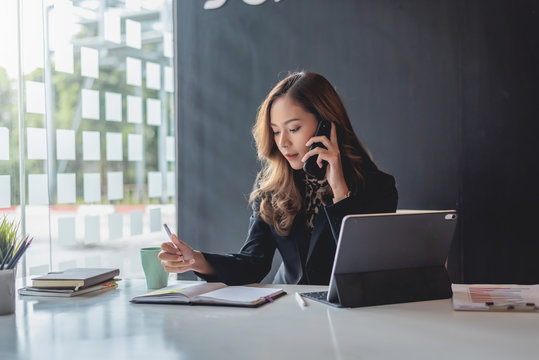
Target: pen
(169, 233)
(8, 254)
(13, 254)
(24, 244)
(301, 301)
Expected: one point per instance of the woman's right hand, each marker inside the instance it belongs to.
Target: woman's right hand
(178, 257)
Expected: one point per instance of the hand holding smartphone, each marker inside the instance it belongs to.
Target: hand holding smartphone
(310, 166)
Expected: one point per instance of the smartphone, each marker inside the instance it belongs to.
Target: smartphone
(310, 166)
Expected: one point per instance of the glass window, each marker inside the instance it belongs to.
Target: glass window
(98, 151)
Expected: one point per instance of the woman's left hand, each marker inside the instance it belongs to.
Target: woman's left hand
(332, 155)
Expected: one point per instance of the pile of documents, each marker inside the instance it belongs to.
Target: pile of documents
(495, 297)
(72, 282)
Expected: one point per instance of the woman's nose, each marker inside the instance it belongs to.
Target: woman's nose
(284, 141)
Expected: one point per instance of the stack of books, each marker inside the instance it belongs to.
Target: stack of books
(72, 282)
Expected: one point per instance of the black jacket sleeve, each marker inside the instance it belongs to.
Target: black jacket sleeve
(252, 263)
(378, 195)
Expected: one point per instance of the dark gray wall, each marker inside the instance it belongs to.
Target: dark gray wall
(441, 92)
(500, 112)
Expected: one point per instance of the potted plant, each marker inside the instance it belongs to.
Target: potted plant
(10, 249)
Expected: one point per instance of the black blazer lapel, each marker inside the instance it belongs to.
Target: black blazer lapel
(299, 237)
(320, 223)
(293, 249)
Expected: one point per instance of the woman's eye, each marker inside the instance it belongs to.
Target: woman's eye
(296, 129)
(276, 133)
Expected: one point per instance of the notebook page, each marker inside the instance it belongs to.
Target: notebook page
(193, 291)
(238, 294)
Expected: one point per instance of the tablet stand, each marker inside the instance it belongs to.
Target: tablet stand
(393, 286)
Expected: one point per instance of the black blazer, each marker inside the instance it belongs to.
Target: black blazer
(304, 261)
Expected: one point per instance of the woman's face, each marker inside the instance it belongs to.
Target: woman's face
(292, 127)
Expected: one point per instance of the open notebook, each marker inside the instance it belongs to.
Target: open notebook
(214, 293)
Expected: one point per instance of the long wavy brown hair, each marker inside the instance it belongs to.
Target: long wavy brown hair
(277, 197)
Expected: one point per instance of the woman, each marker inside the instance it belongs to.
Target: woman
(293, 211)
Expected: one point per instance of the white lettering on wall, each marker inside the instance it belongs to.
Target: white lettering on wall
(213, 4)
(216, 4)
(254, 2)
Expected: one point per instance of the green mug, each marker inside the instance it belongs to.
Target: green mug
(156, 276)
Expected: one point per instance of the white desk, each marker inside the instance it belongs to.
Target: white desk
(107, 326)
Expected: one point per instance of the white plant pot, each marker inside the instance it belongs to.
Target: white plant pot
(7, 291)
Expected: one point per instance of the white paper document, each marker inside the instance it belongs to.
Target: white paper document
(238, 294)
(494, 296)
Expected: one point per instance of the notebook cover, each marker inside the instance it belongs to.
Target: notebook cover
(75, 277)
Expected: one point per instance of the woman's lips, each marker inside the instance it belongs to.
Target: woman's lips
(291, 157)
